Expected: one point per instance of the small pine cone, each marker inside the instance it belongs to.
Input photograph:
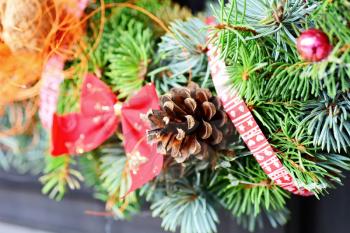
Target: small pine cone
(191, 122)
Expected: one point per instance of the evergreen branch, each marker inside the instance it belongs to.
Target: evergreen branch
(115, 182)
(166, 10)
(128, 60)
(127, 5)
(292, 82)
(182, 57)
(69, 96)
(183, 50)
(186, 209)
(245, 189)
(332, 17)
(283, 20)
(224, 26)
(335, 71)
(305, 162)
(275, 218)
(23, 153)
(271, 113)
(304, 80)
(90, 167)
(327, 120)
(58, 175)
(245, 70)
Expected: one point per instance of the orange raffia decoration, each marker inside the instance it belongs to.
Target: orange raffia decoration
(31, 31)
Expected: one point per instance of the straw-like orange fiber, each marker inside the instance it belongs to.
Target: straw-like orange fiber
(31, 31)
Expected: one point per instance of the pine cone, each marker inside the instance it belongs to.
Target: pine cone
(191, 122)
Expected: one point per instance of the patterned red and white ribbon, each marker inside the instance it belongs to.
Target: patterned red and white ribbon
(247, 127)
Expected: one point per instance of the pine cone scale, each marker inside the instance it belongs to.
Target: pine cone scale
(191, 122)
(209, 110)
(206, 131)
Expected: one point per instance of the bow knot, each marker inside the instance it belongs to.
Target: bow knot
(118, 109)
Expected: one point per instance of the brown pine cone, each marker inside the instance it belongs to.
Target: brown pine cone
(191, 122)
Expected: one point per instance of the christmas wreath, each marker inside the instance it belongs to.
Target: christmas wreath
(238, 108)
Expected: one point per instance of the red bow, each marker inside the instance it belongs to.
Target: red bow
(98, 119)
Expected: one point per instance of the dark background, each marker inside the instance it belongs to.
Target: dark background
(22, 203)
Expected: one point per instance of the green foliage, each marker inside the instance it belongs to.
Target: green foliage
(272, 113)
(23, 153)
(275, 218)
(182, 56)
(184, 47)
(302, 107)
(125, 64)
(115, 181)
(303, 80)
(242, 34)
(245, 70)
(59, 174)
(114, 174)
(186, 209)
(278, 18)
(182, 198)
(327, 120)
(124, 54)
(244, 189)
(333, 18)
(90, 168)
(306, 162)
(129, 58)
(106, 171)
(69, 96)
(292, 82)
(164, 9)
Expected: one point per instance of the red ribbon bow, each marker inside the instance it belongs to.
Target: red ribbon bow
(98, 119)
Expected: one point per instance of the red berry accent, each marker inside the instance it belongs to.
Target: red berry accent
(210, 20)
(313, 45)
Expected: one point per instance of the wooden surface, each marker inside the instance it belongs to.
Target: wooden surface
(9, 228)
(21, 203)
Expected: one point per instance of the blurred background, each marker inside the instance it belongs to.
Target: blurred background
(23, 209)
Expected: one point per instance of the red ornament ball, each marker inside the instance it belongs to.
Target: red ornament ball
(313, 45)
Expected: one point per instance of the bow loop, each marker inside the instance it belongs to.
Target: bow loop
(98, 119)
(144, 161)
(96, 98)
